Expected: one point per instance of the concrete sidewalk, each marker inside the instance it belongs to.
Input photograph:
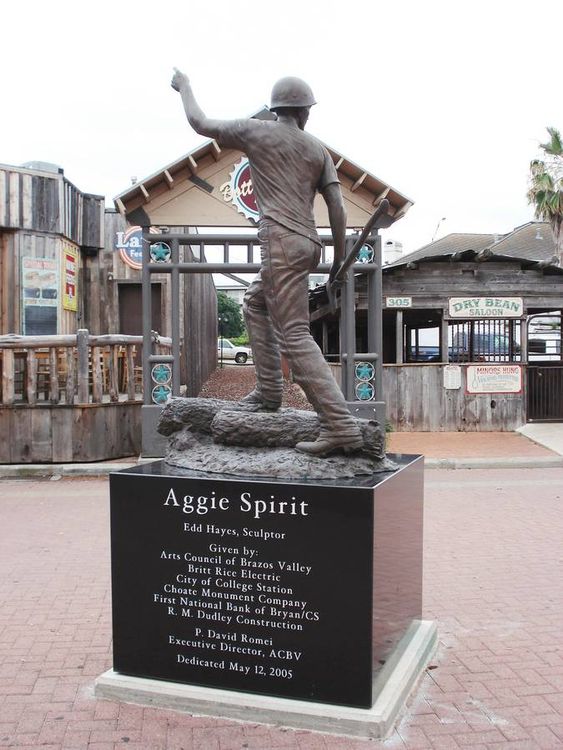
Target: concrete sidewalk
(492, 581)
(532, 447)
(548, 434)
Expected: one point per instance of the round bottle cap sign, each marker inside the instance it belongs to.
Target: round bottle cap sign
(130, 246)
(239, 191)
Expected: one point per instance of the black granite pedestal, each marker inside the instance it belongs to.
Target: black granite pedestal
(290, 589)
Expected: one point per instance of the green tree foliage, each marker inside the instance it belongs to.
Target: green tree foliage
(545, 191)
(229, 315)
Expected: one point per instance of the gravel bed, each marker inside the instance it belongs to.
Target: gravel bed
(234, 381)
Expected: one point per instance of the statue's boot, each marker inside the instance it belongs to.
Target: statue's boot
(255, 401)
(329, 443)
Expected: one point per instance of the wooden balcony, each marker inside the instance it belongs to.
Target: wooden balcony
(75, 369)
(71, 398)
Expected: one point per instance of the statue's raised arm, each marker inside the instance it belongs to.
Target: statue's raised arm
(196, 116)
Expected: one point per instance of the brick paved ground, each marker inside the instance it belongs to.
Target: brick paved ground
(493, 580)
(466, 445)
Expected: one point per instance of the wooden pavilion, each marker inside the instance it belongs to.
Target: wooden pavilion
(471, 332)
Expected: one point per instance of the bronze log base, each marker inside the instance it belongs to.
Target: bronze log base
(215, 436)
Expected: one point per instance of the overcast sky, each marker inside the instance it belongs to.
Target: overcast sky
(446, 101)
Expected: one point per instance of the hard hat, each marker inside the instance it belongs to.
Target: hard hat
(291, 92)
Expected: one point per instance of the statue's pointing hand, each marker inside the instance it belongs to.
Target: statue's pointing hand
(179, 80)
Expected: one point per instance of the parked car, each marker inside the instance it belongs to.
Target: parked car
(227, 350)
(423, 354)
(544, 342)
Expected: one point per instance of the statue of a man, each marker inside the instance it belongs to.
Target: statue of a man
(288, 167)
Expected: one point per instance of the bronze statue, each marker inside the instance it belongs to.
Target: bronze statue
(288, 168)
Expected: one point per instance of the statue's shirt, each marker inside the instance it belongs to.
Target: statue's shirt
(288, 167)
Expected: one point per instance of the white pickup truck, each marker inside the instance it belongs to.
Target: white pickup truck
(228, 350)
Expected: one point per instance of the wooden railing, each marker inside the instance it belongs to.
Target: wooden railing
(72, 369)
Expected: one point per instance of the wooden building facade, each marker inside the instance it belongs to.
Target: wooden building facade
(64, 395)
(48, 229)
(471, 332)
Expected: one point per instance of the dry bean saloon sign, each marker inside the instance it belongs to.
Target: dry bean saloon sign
(486, 307)
(238, 190)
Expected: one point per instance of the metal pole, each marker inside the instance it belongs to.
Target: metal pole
(175, 287)
(342, 342)
(147, 317)
(221, 339)
(378, 323)
(349, 329)
(373, 312)
(198, 267)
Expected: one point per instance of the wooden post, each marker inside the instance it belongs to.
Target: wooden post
(130, 370)
(113, 374)
(83, 352)
(444, 353)
(31, 377)
(523, 341)
(97, 384)
(53, 375)
(8, 393)
(399, 338)
(70, 375)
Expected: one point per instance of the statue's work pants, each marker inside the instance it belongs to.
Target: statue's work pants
(276, 311)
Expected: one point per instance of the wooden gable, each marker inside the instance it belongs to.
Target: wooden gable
(188, 193)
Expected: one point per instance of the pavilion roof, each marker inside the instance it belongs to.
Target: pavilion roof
(370, 189)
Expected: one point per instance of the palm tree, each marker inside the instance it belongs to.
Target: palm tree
(546, 187)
